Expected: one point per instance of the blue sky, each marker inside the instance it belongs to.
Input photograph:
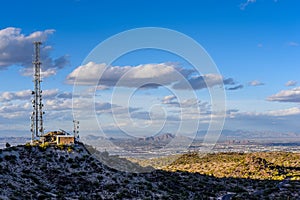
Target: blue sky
(256, 44)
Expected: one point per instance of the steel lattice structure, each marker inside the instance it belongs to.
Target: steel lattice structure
(37, 128)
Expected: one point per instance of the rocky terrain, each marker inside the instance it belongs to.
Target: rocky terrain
(72, 172)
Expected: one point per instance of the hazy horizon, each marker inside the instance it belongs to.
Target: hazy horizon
(254, 46)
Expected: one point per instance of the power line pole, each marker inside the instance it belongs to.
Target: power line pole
(37, 128)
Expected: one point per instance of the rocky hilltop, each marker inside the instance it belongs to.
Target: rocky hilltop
(72, 172)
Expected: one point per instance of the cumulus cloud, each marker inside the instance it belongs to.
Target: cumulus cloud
(202, 81)
(145, 75)
(17, 104)
(131, 76)
(25, 95)
(292, 95)
(193, 103)
(17, 49)
(255, 83)
(170, 99)
(44, 72)
(58, 104)
(9, 110)
(291, 83)
(199, 82)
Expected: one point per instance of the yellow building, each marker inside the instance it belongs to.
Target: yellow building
(65, 139)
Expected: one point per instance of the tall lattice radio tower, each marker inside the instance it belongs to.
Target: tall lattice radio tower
(37, 128)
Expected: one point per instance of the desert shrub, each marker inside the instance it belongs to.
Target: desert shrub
(10, 157)
(28, 146)
(61, 146)
(111, 187)
(43, 167)
(82, 173)
(44, 146)
(34, 179)
(79, 150)
(74, 165)
(61, 159)
(100, 177)
(70, 149)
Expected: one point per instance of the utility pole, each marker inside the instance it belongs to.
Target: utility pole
(37, 128)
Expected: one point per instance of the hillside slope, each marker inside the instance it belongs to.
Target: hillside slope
(58, 172)
(261, 165)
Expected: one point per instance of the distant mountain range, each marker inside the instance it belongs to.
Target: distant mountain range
(159, 137)
(162, 137)
(226, 135)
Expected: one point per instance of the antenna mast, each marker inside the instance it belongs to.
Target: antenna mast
(37, 128)
(76, 129)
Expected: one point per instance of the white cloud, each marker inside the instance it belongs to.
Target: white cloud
(20, 95)
(168, 99)
(17, 105)
(291, 83)
(284, 112)
(14, 111)
(25, 95)
(131, 76)
(58, 104)
(17, 49)
(255, 83)
(292, 95)
(202, 81)
(44, 74)
(191, 103)
(145, 75)
(273, 113)
(245, 4)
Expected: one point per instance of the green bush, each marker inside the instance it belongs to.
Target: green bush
(70, 149)
(44, 146)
